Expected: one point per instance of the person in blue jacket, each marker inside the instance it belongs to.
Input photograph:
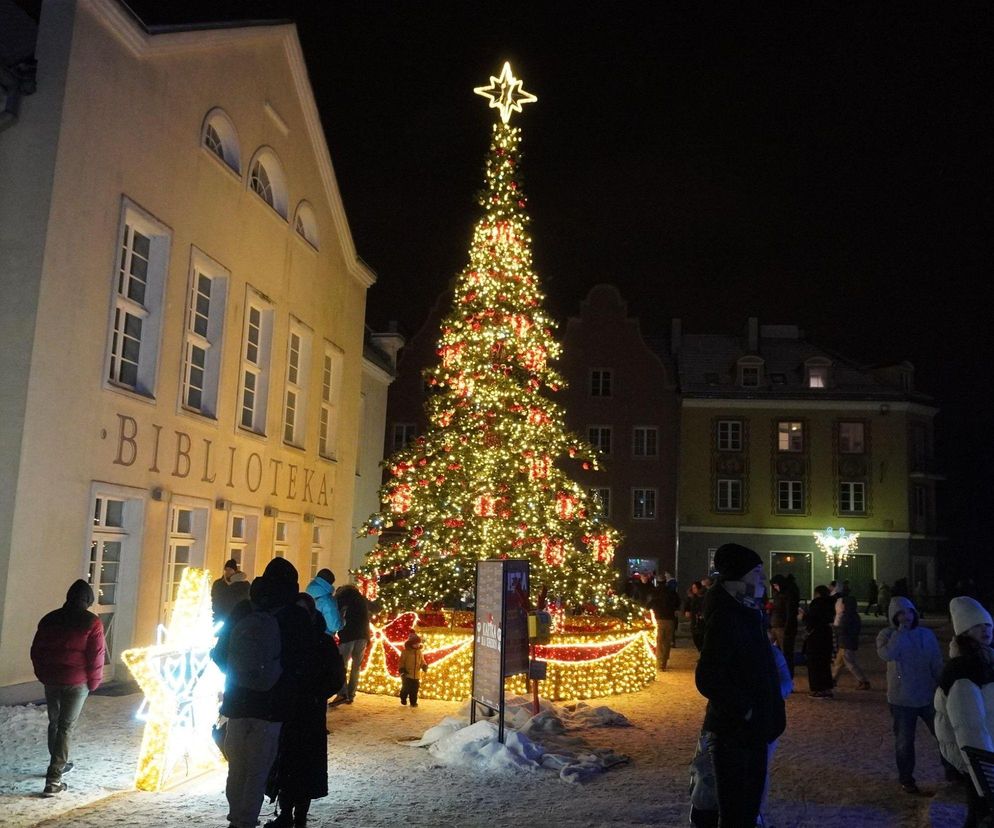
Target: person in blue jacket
(322, 590)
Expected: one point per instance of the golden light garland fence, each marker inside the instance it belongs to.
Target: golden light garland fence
(607, 658)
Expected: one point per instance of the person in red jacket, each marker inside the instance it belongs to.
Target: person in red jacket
(68, 657)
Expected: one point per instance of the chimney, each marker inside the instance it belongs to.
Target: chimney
(390, 342)
(752, 332)
(676, 334)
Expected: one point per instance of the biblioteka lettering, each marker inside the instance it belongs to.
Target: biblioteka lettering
(176, 453)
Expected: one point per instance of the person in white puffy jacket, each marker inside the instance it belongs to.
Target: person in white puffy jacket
(914, 664)
(964, 700)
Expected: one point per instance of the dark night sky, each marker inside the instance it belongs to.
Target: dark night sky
(825, 164)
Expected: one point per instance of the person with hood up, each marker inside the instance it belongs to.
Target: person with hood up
(353, 637)
(964, 699)
(68, 657)
(256, 716)
(412, 665)
(322, 590)
(737, 673)
(914, 664)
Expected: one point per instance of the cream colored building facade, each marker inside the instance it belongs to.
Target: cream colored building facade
(182, 345)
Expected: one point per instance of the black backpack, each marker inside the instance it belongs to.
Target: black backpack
(254, 649)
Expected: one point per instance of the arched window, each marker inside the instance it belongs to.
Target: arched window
(220, 139)
(306, 225)
(266, 180)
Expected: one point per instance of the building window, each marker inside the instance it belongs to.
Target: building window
(243, 529)
(790, 436)
(221, 140)
(817, 376)
(331, 383)
(729, 435)
(305, 224)
(107, 546)
(851, 438)
(256, 364)
(729, 495)
(852, 498)
(403, 433)
(919, 504)
(602, 496)
(319, 542)
(644, 441)
(790, 496)
(137, 312)
(284, 539)
(298, 361)
(644, 504)
(600, 438)
(266, 180)
(600, 382)
(202, 346)
(187, 541)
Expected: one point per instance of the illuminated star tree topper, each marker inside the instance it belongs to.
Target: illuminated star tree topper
(493, 476)
(505, 93)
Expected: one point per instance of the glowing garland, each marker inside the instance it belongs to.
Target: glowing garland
(580, 665)
(182, 688)
(837, 546)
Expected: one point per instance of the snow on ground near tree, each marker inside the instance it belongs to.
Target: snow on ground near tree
(834, 766)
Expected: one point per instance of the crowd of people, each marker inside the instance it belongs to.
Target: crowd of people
(747, 640)
(284, 653)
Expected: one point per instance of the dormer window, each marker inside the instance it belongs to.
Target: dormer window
(817, 372)
(750, 372)
(220, 139)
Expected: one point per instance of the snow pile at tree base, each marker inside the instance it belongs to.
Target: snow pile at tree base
(532, 742)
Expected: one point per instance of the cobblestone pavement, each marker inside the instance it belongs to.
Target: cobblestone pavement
(834, 767)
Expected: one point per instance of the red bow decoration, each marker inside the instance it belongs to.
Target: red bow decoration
(394, 635)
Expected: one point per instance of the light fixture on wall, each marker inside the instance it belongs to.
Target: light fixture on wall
(884, 409)
(222, 505)
(158, 493)
(308, 517)
(271, 511)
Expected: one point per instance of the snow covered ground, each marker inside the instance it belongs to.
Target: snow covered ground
(834, 766)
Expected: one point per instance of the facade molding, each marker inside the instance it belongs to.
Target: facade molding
(781, 403)
(142, 45)
(765, 530)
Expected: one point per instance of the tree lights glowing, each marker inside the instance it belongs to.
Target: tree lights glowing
(182, 687)
(490, 476)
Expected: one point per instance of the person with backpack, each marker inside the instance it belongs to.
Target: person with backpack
(322, 590)
(300, 774)
(263, 652)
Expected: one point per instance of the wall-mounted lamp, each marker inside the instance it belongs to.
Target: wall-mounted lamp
(157, 493)
(884, 409)
(308, 517)
(222, 505)
(271, 511)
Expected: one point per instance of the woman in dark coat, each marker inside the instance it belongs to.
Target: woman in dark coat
(818, 645)
(300, 773)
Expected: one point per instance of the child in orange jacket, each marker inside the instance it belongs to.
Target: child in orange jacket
(412, 664)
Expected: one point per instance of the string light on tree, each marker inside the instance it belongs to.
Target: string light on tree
(493, 474)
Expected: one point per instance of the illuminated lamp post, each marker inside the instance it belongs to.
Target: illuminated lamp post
(837, 545)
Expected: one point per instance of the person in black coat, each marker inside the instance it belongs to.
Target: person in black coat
(783, 619)
(738, 675)
(353, 637)
(818, 645)
(256, 717)
(665, 604)
(300, 773)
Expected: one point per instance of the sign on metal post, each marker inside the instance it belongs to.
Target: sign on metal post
(500, 638)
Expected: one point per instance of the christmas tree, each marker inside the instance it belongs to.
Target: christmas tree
(489, 478)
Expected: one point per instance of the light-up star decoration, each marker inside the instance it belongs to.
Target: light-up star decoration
(505, 93)
(837, 545)
(182, 687)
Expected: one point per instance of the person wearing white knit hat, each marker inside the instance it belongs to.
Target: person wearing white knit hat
(964, 700)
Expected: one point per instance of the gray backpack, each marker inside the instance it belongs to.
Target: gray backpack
(254, 652)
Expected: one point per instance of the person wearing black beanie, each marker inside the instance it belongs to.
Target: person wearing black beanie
(738, 675)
